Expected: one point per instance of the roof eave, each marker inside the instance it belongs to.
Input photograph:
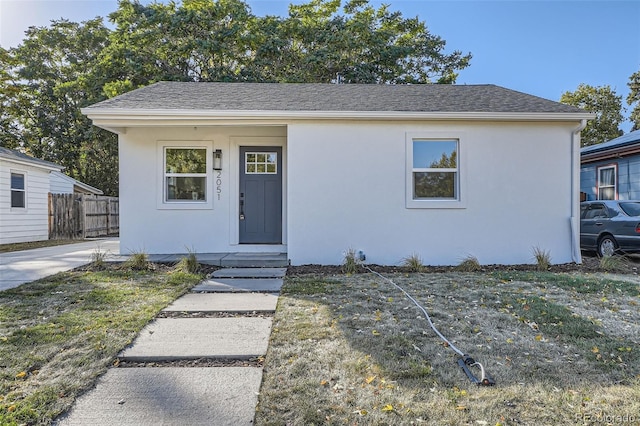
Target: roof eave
(25, 162)
(118, 120)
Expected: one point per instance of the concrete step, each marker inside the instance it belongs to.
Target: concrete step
(224, 396)
(238, 285)
(250, 273)
(169, 339)
(225, 302)
(255, 260)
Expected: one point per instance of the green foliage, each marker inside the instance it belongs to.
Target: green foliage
(188, 264)
(209, 40)
(413, 263)
(613, 263)
(542, 257)
(43, 85)
(469, 264)
(350, 262)
(634, 98)
(607, 106)
(138, 261)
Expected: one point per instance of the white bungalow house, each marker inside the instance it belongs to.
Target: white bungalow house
(25, 184)
(312, 170)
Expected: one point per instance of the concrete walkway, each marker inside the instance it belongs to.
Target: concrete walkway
(20, 267)
(231, 324)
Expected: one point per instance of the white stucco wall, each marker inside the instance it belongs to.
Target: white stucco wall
(147, 225)
(347, 190)
(345, 187)
(32, 222)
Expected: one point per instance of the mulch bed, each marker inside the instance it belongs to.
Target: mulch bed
(589, 264)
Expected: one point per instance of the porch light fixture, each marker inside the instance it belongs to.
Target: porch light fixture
(217, 159)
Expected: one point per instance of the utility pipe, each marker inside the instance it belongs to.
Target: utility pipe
(575, 192)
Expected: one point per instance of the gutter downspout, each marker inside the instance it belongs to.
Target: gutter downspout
(575, 192)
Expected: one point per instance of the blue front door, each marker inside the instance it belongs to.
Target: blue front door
(260, 195)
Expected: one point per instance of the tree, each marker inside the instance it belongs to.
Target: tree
(221, 40)
(44, 83)
(607, 106)
(634, 98)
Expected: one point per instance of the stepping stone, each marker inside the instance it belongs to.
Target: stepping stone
(250, 273)
(224, 302)
(168, 339)
(224, 396)
(239, 285)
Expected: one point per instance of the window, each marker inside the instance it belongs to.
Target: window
(607, 183)
(18, 192)
(185, 171)
(261, 162)
(435, 170)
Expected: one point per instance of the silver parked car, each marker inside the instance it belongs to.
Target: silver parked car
(610, 226)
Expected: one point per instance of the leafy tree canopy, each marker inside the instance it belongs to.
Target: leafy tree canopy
(634, 98)
(43, 84)
(607, 106)
(319, 41)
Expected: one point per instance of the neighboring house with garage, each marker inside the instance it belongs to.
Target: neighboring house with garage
(312, 170)
(611, 170)
(25, 184)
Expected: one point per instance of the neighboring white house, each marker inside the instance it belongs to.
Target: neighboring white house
(315, 169)
(63, 184)
(25, 184)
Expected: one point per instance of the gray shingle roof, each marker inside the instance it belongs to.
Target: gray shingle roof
(331, 97)
(12, 154)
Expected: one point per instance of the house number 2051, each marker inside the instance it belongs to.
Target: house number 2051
(219, 184)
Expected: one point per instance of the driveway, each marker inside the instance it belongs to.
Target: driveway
(20, 267)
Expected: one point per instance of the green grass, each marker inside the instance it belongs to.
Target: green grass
(581, 283)
(57, 335)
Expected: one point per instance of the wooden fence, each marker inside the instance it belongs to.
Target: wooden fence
(76, 216)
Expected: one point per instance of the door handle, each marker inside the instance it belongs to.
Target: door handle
(598, 223)
(242, 206)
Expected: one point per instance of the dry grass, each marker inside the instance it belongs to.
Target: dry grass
(57, 335)
(6, 248)
(353, 350)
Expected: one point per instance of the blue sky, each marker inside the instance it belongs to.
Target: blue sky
(544, 48)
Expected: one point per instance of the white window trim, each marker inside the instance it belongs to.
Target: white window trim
(162, 202)
(615, 177)
(11, 189)
(461, 201)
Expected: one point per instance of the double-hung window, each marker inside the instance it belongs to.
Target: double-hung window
(607, 182)
(435, 170)
(18, 191)
(185, 174)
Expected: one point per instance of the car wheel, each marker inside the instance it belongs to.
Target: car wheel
(607, 246)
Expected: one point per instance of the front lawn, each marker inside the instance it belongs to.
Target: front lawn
(563, 348)
(58, 334)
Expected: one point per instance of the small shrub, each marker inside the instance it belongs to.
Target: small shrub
(469, 264)
(350, 262)
(138, 261)
(98, 257)
(613, 263)
(188, 263)
(542, 257)
(413, 263)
